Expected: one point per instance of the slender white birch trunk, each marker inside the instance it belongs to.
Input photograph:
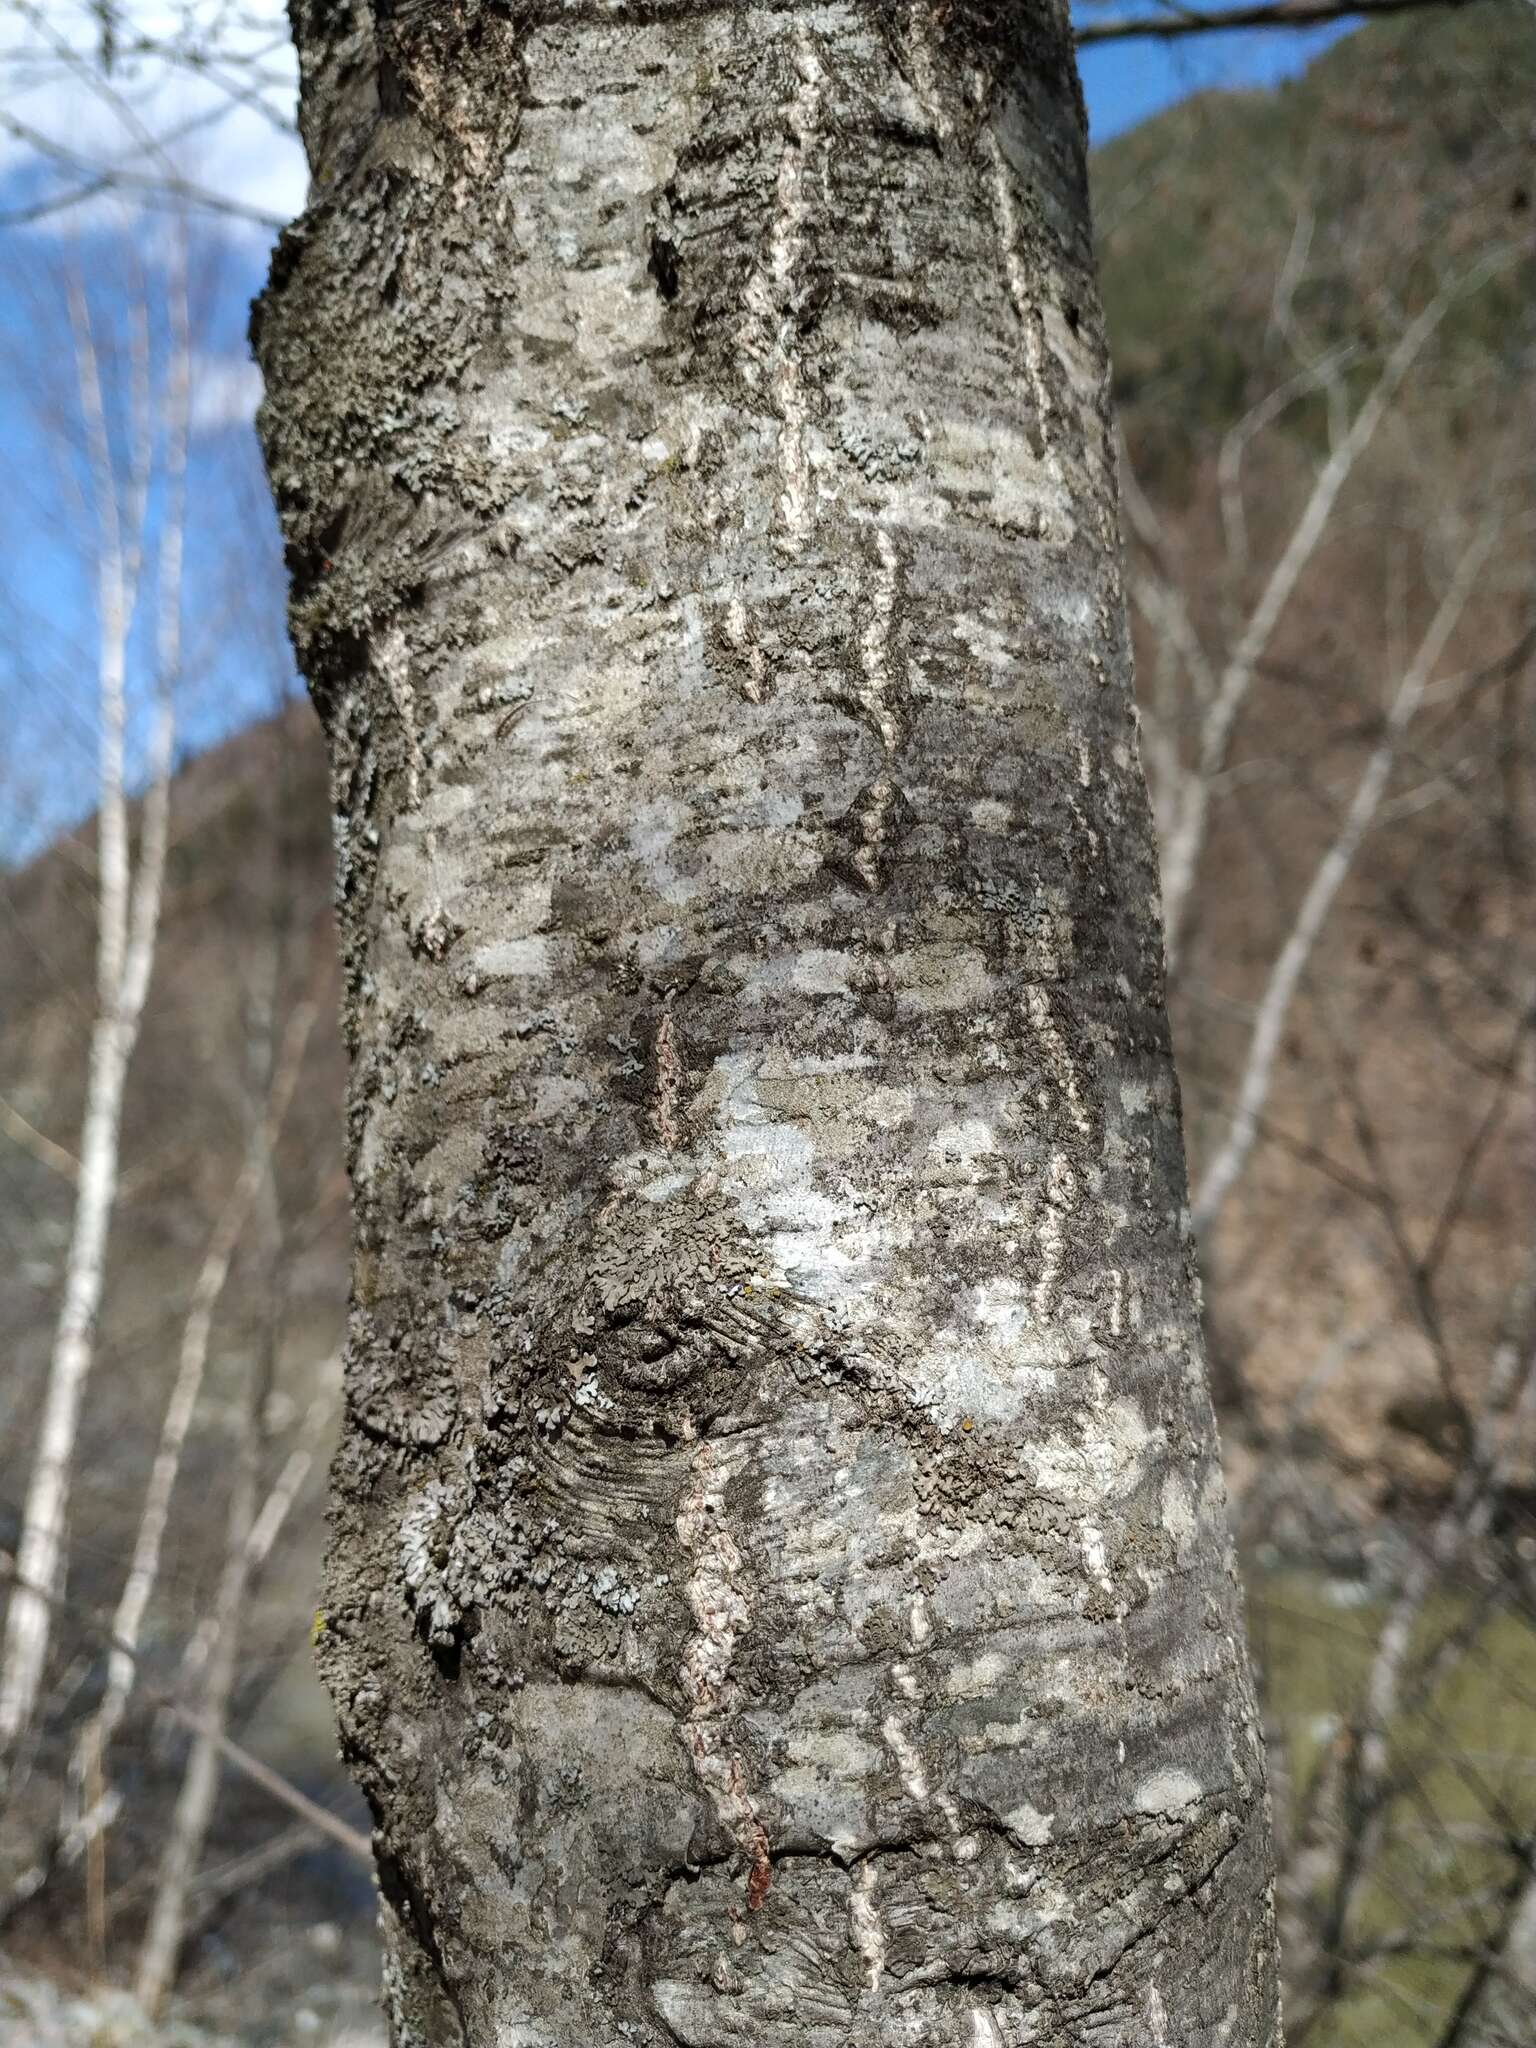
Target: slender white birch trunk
(1186, 838)
(268, 1526)
(780, 1593)
(1231, 1155)
(128, 914)
(144, 1565)
(1359, 1814)
(193, 1812)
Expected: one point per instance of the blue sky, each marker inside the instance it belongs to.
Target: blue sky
(237, 654)
(1124, 83)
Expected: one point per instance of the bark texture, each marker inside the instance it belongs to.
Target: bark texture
(780, 1591)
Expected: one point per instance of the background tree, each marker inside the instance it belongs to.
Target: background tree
(121, 390)
(127, 922)
(1353, 986)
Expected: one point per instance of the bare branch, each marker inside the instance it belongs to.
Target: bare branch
(1464, 1521)
(1187, 838)
(193, 1812)
(1285, 976)
(274, 1513)
(1269, 14)
(164, 188)
(145, 1565)
(127, 921)
(32, 1140)
(286, 1793)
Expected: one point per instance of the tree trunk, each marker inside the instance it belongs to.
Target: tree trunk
(780, 1591)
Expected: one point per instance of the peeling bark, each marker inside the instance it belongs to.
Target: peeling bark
(780, 1590)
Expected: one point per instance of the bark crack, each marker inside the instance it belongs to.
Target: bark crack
(878, 803)
(716, 1595)
(773, 299)
(1167, 1906)
(1025, 297)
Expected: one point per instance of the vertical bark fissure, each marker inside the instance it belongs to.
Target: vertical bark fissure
(717, 1598)
(771, 339)
(1023, 289)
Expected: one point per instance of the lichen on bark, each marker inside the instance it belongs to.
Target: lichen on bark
(779, 1589)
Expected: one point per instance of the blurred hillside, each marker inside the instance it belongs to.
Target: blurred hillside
(1245, 241)
(1359, 1277)
(1401, 153)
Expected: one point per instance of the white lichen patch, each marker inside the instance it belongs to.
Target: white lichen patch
(1030, 1825)
(815, 972)
(997, 650)
(653, 831)
(1166, 1791)
(989, 814)
(1001, 1305)
(810, 1236)
(977, 1680)
(555, 1096)
(1100, 1462)
(426, 1535)
(888, 1108)
(746, 860)
(940, 978)
(964, 1145)
(993, 1368)
(825, 1788)
(658, 945)
(1179, 1516)
(1022, 498)
(528, 959)
(1157, 2018)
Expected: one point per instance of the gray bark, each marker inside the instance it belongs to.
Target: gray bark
(780, 1591)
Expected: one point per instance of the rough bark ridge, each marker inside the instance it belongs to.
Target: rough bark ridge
(779, 1591)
